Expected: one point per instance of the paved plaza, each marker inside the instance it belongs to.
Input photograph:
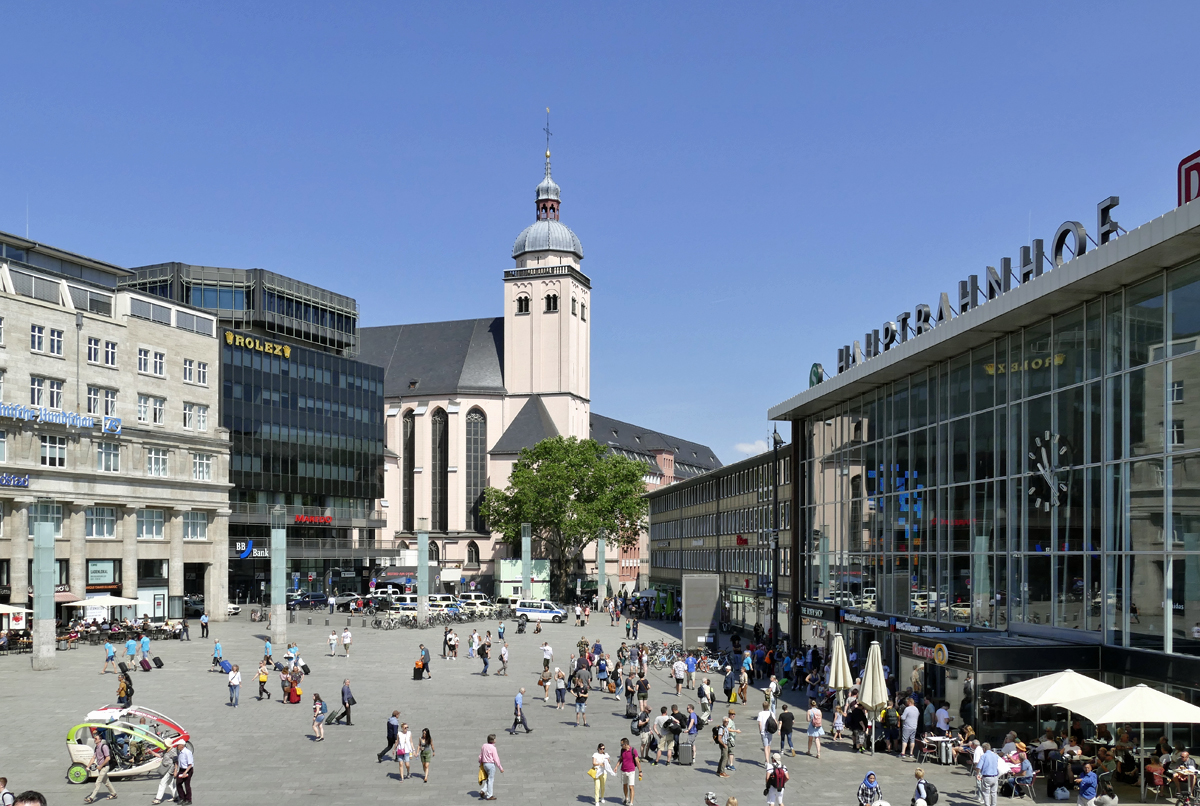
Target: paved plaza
(262, 752)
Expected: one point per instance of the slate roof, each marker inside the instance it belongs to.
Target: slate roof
(531, 425)
(445, 358)
(691, 458)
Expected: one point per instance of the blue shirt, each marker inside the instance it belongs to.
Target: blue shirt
(989, 765)
(130, 647)
(519, 700)
(108, 647)
(691, 664)
(145, 644)
(204, 619)
(217, 650)
(267, 648)
(746, 662)
(1087, 786)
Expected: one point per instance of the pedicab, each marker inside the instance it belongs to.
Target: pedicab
(143, 742)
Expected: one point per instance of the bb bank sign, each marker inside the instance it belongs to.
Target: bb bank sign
(41, 414)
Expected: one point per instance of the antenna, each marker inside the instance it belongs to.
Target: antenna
(547, 131)
(26, 216)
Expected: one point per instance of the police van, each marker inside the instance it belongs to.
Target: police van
(538, 610)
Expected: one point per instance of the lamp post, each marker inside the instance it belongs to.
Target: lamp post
(423, 569)
(776, 441)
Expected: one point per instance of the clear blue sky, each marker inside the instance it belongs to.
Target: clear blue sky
(753, 184)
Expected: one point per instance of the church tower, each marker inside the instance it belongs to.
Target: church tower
(547, 319)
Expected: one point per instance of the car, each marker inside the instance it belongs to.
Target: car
(540, 610)
(442, 607)
(233, 610)
(309, 601)
(482, 609)
(193, 606)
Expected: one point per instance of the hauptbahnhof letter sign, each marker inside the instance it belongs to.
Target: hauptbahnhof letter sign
(41, 414)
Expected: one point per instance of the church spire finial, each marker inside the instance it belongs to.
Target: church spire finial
(548, 134)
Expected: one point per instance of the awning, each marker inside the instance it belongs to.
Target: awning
(60, 597)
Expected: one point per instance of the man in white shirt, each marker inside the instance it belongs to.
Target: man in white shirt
(679, 670)
(943, 719)
(578, 616)
(547, 656)
(503, 660)
(762, 718)
(346, 638)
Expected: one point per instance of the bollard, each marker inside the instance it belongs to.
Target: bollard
(347, 621)
(310, 621)
(364, 622)
(326, 622)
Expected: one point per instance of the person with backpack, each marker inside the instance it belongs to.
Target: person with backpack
(787, 722)
(721, 739)
(890, 718)
(926, 793)
(665, 731)
(631, 770)
(320, 711)
(7, 798)
(777, 778)
(767, 728)
(101, 763)
(815, 731)
(704, 694)
(641, 727)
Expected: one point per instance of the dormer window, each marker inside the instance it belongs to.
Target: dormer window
(522, 304)
(552, 303)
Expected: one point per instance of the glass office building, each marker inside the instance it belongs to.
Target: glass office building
(1017, 490)
(305, 420)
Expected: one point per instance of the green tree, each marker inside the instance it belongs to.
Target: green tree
(569, 490)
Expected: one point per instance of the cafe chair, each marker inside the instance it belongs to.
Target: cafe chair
(926, 751)
(1156, 784)
(1025, 789)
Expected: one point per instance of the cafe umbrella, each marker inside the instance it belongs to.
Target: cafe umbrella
(1139, 704)
(873, 693)
(840, 676)
(1053, 689)
(106, 601)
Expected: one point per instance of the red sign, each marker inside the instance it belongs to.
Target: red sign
(1189, 178)
(315, 520)
(741, 541)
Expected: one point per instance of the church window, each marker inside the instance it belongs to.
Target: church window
(439, 466)
(574, 307)
(522, 304)
(473, 553)
(583, 311)
(476, 466)
(552, 303)
(433, 552)
(408, 451)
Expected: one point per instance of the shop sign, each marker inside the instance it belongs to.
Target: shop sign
(108, 587)
(41, 414)
(741, 541)
(57, 589)
(904, 625)
(245, 549)
(936, 653)
(818, 611)
(5, 590)
(1189, 178)
(1031, 265)
(314, 520)
(867, 621)
(1024, 366)
(10, 480)
(252, 343)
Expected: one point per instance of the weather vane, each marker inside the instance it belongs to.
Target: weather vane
(547, 131)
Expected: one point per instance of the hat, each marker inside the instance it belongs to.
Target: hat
(1021, 746)
(710, 797)
(775, 757)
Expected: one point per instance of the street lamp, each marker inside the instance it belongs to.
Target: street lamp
(776, 441)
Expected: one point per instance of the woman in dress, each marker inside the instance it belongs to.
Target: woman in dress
(404, 751)
(426, 753)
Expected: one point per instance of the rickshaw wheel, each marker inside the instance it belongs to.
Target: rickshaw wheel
(77, 774)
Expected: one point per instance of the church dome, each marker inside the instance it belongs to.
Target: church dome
(547, 234)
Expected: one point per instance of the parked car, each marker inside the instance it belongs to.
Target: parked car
(473, 606)
(540, 610)
(193, 606)
(233, 610)
(309, 601)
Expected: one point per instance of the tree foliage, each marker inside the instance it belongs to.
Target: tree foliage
(569, 491)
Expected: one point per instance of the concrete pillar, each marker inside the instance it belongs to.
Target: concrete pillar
(601, 575)
(74, 523)
(174, 528)
(43, 598)
(279, 578)
(19, 566)
(216, 578)
(127, 529)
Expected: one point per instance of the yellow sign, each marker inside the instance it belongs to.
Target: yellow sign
(940, 654)
(1020, 366)
(251, 343)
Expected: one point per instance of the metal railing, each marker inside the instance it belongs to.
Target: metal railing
(340, 515)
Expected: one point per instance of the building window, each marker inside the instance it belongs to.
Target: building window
(202, 466)
(156, 462)
(188, 369)
(1177, 433)
(1176, 391)
(108, 457)
(1, 330)
(37, 389)
(202, 373)
(143, 360)
(434, 552)
(188, 415)
(476, 466)
(472, 553)
(551, 303)
(408, 449)
(3, 446)
(160, 364)
(56, 345)
(110, 353)
(143, 408)
(522, 304)
(158, 411)
(54, 451)
(37, 334)
(100, 522)
(583, 311)
(54, 399)
(150, 524)
(93, 350)
(574, 307)
(201, 418)
(439, 470)
(195, 526)
(39, 512)
(110, 402)
(93, 400)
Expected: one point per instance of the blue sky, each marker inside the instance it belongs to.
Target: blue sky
(753, 184)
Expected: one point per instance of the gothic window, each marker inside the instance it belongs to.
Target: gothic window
(472, 553)
(439, 468)
(522, 304)
(476, 466)
(574, 309)
(433, 552)
(408, 450)
(551, 303)
(583, 311)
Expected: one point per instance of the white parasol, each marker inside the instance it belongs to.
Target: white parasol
(840, 677)
(873, 693)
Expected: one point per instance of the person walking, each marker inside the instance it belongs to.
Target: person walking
(704, 693)
(601, 767)
(427, 753)
(643, 692)
(131, 650)
(581, 697)
(102, 764)
(734, 732)
(320, 711)
(110, 658)
(519, 713)
(217, 657)
(484, 653)
(165, 784)
(268, 652)
(503, 659)
(285, 682)
(446, 643)
(690, 664)
(145, 642)
(987, 772)
(721, 737)
(393, 731)
(777, 778)
(787, 722)
(404, 751)
(679, 673)
(500, 631)
(547, 656)
(560, 688)
(1087, 783)
(264, 672)
(425, 658)
(869, 791)
(204, 624)
(347, 701)
(635, 629)
(815, 731)
(627, 626)
(489, 760)
(764, 720)
(333, 642)
(235, 685)
(347, 639)
(631, 770)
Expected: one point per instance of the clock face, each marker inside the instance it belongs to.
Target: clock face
(1049, 457)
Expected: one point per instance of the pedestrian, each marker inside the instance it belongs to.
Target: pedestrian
(631, 770)
(721, 737)
(764, 719)
(692, 727)
(547, 655)
(427, 753)
(690, 664)
(869, 791)
(503, 659)
(393, 731)
(453, 639)
(445, 643)
(643, 692)
(704, 694)
(484, 653)
(131, 649)
(500, 631)
(921, 793)
(6, 798)
(285, 682)
(777, 778)
(489, 763)
(679, 672)
(404, 751)
(519, 713)
(268, 653)
(333, 642)
(601, 767)
(110, 658)
(346, 640)
(185, 635)
(987, 773)
(645, 731)
(425, 658)
(635, 628)
(204, 624)
(734, 732)
(664, 735)
(729, 682)
(909, 720)
(347, 701)
(1088, 783)
(217, 656)
(165, 784)
(627, 626)
(235, 685)
(560, 688)
(774, 690)
(815, 731)
(320, 711)
(102, 764)
(839, 722)
(264, 672)
(581, 697)
(787, 723)
(578, 616)
(471, 644)
(145, 647)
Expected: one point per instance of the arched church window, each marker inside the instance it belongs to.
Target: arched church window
(522, 304)
(408, 450)
(472, 553)
(476, 466)
(439, 466)
(583, 311)
(434, 555)
(574, 308)
(551, 303)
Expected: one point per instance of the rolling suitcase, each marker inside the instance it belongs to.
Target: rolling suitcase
(124, 667)
(631, 710)
(331, 717)
(158, 664)
(418, 672)
(145, 665)
(279, 667)
(687, 754)
(304, 668)
(226, 666)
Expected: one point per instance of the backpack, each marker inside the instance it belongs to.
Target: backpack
(931, 793)
(892, 718)
(772, 725)
(816, 719)
(324, 708)
(779, 778)
(674, 725)
(716, 735)
(635, 728)
(7, 799)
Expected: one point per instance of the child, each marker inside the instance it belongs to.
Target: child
(838, 722)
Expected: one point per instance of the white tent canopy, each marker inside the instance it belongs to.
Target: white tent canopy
(839, 667)
(8, 610)
(103, 601)
(1053, 689)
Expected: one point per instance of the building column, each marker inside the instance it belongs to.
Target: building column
(127, 529)
(18, 571)
(216, 576)
(74, 530)
(174, 535)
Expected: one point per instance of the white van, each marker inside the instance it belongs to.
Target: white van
(539, 610)
(474, 596)
(446, 599)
